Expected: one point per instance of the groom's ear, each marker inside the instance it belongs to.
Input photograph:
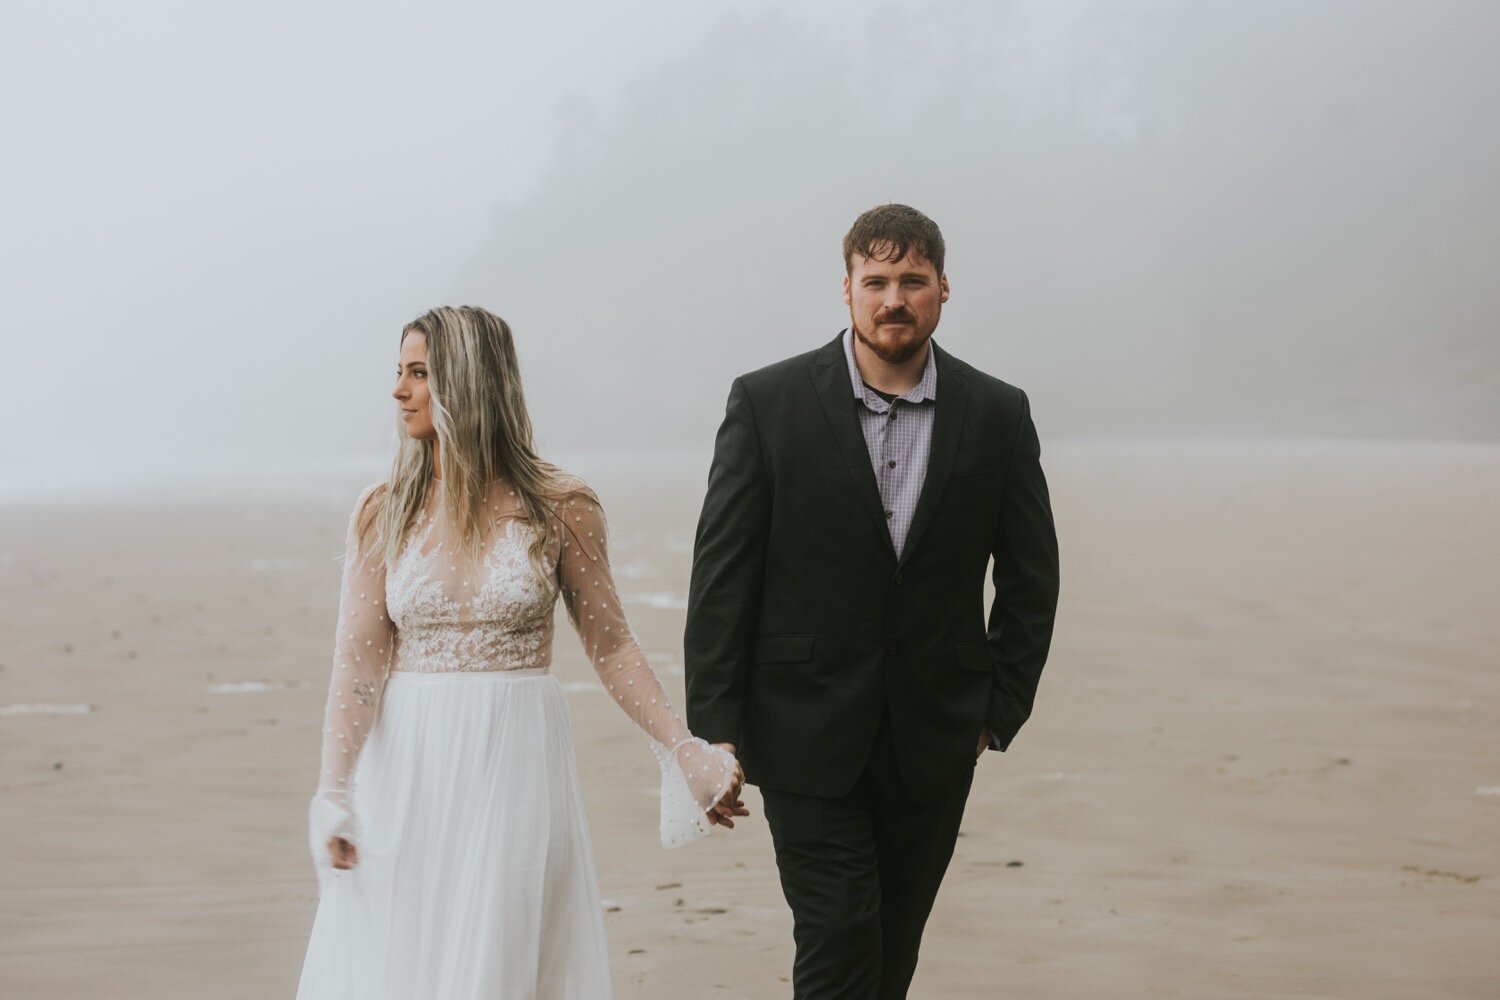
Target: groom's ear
(848, 286)
(942, 283)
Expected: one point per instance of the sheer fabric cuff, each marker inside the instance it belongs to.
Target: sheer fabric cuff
(329, 815)
(694, 776)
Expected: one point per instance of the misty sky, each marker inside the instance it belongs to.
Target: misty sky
(1164, 218)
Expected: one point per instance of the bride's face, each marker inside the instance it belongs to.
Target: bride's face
(411, 388)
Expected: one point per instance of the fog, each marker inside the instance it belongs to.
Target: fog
(1164, 219)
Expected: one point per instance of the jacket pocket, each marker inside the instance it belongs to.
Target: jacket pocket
(973, 478)
(975, 658)
(782, 648)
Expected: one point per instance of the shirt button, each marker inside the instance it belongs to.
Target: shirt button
(891, 464)
(892, 415)
(889, 514)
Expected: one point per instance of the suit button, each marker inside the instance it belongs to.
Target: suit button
(892, 648)
(898, 579)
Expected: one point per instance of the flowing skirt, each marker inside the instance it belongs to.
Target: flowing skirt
(475, 878)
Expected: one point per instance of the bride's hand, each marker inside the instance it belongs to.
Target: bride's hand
(724, 810)
(730, 806)
(344, 854)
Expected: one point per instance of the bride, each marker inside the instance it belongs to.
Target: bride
(449, 835)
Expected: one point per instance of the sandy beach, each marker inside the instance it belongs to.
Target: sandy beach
(1264, 763)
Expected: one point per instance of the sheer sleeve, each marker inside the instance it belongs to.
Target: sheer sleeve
(362, 650)
(695, 775)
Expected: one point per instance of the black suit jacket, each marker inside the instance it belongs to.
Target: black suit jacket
(805, 626)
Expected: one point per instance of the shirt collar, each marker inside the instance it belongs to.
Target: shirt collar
(926, 387)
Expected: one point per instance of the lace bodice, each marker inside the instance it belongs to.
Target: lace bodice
(434, 610)
(448, 615)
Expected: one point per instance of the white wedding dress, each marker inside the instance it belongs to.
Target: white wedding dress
(448, 761)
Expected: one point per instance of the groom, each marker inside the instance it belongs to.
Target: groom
(836, 639)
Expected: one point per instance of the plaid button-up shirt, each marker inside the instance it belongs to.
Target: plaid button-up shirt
(899, 437)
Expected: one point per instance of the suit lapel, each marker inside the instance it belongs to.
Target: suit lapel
(830, 373)
(947, 427)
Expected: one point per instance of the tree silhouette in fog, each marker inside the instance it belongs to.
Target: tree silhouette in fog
(1163, 218)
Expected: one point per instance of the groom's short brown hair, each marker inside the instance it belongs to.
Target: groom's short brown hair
(887, 232)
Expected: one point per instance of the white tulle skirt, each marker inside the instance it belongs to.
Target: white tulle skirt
(475, 876)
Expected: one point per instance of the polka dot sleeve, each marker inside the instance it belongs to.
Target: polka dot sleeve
(362, 649)
(694, 775)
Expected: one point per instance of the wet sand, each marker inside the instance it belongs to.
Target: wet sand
(1265, 760)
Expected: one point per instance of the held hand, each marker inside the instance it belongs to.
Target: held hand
(984, 743)
(344, 854)
(724, 811)
(730, 806)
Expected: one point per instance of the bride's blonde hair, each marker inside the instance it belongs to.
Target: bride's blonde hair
(484, 432)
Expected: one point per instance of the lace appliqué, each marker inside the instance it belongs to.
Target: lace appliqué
(459, 617)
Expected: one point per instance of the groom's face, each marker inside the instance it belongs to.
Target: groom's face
(894, 305)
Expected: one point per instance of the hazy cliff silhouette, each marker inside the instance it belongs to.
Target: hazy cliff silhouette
(1163, 219)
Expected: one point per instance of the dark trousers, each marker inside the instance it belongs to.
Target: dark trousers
(860, 874)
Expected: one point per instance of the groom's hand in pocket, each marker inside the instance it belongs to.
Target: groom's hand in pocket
(985, 739)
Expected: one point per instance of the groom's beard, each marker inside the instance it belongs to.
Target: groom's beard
(899, 344)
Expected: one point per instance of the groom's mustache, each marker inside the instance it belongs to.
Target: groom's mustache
(897, 316)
